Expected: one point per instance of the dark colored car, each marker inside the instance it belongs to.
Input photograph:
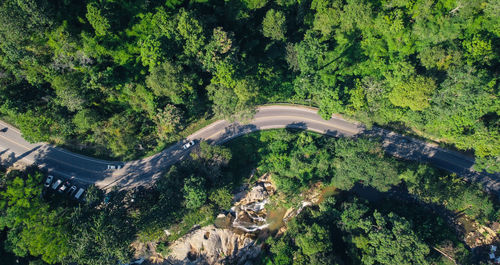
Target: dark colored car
(48, 181)
(72, 190)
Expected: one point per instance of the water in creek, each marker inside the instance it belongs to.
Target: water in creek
(275, 219)
(251, 217)
(249, 213)
(327, 192)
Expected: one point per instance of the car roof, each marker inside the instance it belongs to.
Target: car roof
(79, 193)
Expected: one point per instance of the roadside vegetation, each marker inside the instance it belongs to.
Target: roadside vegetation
(297, 160)
(353, 231)
(122, 79)
(406, 224)
(46, 224)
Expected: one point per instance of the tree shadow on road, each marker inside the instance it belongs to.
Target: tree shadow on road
(4, 151)
(302, 126)
(296, 126)
(232, 131)
(12, 158)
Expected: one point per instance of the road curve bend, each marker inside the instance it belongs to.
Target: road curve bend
(89, 170)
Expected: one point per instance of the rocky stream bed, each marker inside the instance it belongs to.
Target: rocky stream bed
(233, 239)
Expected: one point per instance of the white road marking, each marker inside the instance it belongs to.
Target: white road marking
(16, 143)
(173, 151)
(53, 159)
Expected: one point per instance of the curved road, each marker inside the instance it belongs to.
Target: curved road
(88, 170)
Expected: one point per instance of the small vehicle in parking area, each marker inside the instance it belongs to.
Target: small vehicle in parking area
(64, 187)
(188, 145)
(72, 190)
(79, 193)
(48, 181)
(56, 184)
(115, 166)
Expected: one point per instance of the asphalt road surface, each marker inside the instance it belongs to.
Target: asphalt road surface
(86, 170)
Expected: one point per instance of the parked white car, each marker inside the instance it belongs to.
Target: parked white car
(188, 145)
(114, 166)
(56, 184)
(64, 187)
(79, 193)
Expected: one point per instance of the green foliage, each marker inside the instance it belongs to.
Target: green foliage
(358, 232)
(255, 4)
(191, 31)
(338, 231)
(313, 240)
(381, 239)
(273, 25)
(363, 161)
(468, 123)
(100, 237)
(85, 120)
(212, 155)
(97, 19)
(306, 241)
(227, 104)
(35, 128)
(166, 80)
(195, 193)
(282, 253)
(118, 134)
(489, 164)
(55, 230)
(382, 62)
(478, 49)
(311, 53)
(68, 91)
(414, 93)
(218, 51)
(221, 197)
(297, 159)
(35, 227)
(168, 122)
(327, 16)
(151, 52)
(451, 191)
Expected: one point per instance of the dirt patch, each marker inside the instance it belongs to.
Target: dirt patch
(477, 235)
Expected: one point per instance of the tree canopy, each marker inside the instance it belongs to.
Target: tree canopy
(428, 67)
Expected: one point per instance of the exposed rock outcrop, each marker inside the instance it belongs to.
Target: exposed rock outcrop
(249, 208)
(231, 240)
(211, 245)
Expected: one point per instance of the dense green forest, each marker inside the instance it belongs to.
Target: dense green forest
(196, 190)
(124, 78)
(356, 232)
